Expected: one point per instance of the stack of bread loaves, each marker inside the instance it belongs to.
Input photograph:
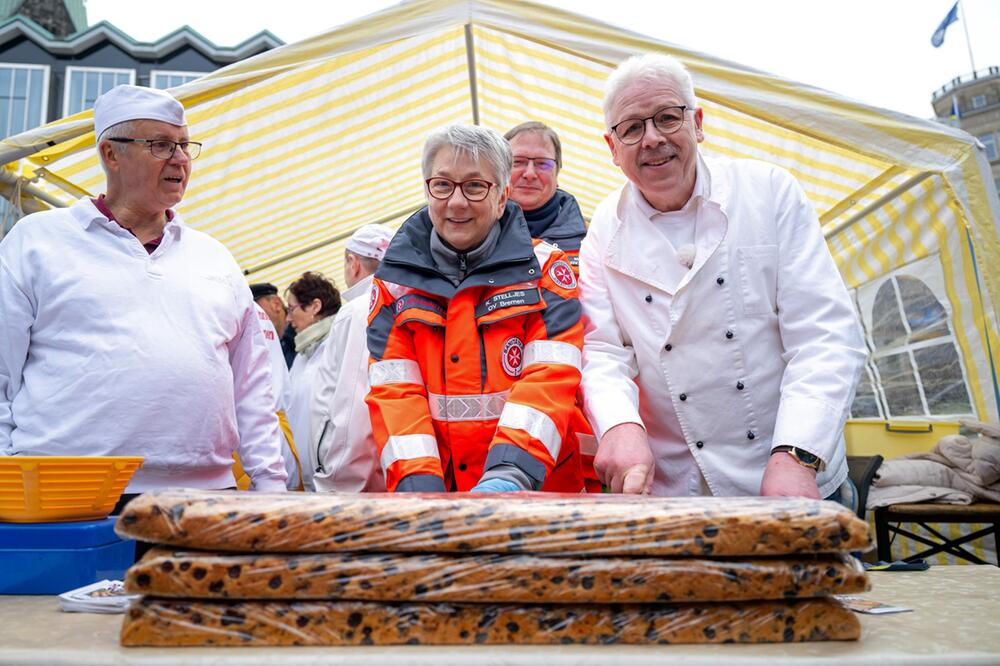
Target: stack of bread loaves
(318, 569)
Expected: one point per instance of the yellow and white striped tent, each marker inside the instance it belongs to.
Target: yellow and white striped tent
(306, 142)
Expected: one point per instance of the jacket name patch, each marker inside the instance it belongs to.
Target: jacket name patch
(420, 301)
(508, 299)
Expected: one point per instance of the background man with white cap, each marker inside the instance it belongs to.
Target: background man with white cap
(346, 447)
(126, 332)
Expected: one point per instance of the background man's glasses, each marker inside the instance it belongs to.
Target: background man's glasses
(667, 120)
(545, 164)
(473, 190)
(163, 149)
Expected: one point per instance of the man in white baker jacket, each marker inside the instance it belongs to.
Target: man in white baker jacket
(346, 450)
(721, 349)
(126, 332)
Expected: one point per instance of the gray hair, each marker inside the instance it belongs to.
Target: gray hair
(478, 143)
(122, 130)
(648, 68)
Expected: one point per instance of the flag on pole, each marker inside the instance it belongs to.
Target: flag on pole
(937, 39)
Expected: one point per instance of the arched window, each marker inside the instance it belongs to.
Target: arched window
(914, 363)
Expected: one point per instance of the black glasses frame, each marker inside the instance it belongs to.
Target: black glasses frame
(185, 146)
(661, 130)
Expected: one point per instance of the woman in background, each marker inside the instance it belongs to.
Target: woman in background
(312, 302)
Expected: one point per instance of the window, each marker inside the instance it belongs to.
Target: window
(23, 97)
(163, 79)
(914, 369)
(85, 84)
(990, 144)
(978, 101)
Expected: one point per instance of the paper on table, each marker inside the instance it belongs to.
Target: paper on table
(869, 606)
(105, 596)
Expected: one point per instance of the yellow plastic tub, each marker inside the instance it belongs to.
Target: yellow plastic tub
(38, 489)
(891, 439)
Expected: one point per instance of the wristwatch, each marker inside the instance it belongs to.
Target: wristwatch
(801, 456)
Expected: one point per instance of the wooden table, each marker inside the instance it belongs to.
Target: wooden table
(956, 621)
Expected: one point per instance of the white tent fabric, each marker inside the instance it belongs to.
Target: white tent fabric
(306, 142)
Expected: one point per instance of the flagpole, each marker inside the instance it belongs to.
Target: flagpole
(968, 43)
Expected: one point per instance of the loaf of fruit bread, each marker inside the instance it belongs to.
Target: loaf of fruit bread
(487, 577)
(493, 523)
(153, 621)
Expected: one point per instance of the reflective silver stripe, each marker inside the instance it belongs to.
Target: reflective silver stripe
(408, 447)
(551, 351)
(588, 444)
(543, 251)
(476, 407)
(394, 372)
(535, 423)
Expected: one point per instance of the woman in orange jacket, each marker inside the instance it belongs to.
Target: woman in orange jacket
(474, 332)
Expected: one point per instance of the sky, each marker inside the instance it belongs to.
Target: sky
(875, 51)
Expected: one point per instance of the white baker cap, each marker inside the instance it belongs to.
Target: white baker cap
(371, 240)
(125, 102)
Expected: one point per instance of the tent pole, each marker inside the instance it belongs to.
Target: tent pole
(470, 52)
(329, 241)
(27, 188)
(908, 184)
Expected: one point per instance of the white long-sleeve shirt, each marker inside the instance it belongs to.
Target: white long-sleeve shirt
(107, 350)
(346, 450)
(757, 345)
(282, 390)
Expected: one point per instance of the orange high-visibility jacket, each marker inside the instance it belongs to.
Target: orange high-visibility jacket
(464, 379)
(566, 232)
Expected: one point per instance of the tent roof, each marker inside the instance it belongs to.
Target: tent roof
(308, 141)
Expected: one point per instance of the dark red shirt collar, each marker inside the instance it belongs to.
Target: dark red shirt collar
(102, 207)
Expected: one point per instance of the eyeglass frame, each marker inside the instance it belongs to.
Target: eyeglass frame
(534, 161)
(459, 185)
(683, 107)
(173, 151)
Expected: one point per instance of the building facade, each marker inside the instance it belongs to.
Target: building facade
(972, 102)
(52, 64)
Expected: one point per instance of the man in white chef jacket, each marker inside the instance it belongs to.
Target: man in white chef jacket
(346, 451)
(125, 332)
(722, 349)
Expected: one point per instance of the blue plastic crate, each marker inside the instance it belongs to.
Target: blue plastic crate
(52, 558)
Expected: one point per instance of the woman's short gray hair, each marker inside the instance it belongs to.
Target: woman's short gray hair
(650, 68)
(481, 144)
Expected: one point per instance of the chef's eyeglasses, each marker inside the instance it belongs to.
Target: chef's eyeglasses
(667, 120)
(164, 149)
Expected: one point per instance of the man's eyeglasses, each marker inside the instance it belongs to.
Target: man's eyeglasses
(544, 164)
(667, 120)
(163, 149)
(474, 190)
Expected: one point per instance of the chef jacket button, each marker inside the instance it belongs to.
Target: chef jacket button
(683, 396)
(668, 346)
(739, 386)
(462, 467)
(750, 434)
(454, 358)
(649, 298)
(729, 335)
(699, 444)
(720, 280)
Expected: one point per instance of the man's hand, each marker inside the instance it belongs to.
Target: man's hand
(624, 461)
(785, 477)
